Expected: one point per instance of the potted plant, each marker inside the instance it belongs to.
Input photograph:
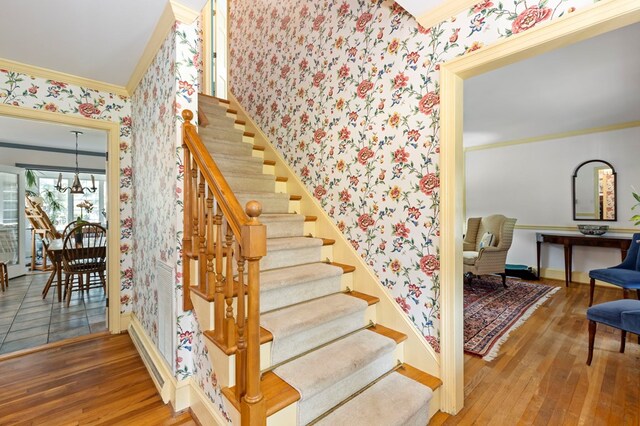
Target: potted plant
(84, 205)
(636, 217)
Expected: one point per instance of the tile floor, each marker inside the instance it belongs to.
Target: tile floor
(27, 320)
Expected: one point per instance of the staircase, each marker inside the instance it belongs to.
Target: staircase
(323, 358)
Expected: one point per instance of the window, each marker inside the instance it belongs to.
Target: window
(62, 207)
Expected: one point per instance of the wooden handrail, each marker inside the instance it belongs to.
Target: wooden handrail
(217, 227)
(231, 208)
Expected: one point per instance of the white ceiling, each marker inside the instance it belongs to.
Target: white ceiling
(419, 7)
(39, 133)
(589, 84)
(101, 40)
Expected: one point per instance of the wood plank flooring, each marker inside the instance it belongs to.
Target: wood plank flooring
(92, 382)
(541, 376)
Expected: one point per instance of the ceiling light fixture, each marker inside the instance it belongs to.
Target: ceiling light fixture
(76, 187)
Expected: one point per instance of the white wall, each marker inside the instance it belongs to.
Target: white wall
(10, 156)
(532, 182)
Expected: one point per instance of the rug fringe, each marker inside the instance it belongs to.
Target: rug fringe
(493, 353)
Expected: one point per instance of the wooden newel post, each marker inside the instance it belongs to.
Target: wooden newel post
(254, 247)
(187, 305)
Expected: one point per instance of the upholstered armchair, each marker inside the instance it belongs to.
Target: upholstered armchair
(486, 244)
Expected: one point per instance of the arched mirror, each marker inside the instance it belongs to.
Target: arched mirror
(594, 191)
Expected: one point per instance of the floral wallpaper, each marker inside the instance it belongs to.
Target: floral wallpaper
(25, 91)
(170, 85)
(154, 135)
(348, 92)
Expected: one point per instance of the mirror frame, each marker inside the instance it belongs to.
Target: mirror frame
(615, 191)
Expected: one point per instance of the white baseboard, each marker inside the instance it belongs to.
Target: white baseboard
(202, 408)
(125, 320)
(171, 390)
(183, 394)
(576, 277)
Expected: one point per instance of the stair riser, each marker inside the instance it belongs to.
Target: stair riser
(280, 297)
(284, 229)
(238, 150)
(310, 229)
(269, 205)
(231, 164)
(218, 120)
(281, 187)
(212, 110)
(255, 184)
(284, 258)
(221, 134)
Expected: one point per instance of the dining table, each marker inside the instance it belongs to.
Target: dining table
(54, 252)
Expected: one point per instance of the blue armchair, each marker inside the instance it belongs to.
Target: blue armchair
(622, 314)
(625, 275)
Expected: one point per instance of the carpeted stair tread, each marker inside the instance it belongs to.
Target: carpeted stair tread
(330, 374)
(298, 318)
(272, 202)
(292, 243)
(231, 163)
(305, 326)
(290, 251)
(295, 275)
(283, 225)
(281, 217)
(295, 284)
(243, 174)
(409, 398)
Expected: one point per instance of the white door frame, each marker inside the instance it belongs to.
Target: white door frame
(113, 194)
(600, 18)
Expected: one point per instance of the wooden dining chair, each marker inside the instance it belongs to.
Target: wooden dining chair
(69, 227)
(84, 253)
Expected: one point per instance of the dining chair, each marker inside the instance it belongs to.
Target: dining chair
(625, 275)
(69, 227)
(83, 254)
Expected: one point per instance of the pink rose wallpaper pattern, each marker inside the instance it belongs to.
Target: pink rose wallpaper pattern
(25, 91)
(348, 92)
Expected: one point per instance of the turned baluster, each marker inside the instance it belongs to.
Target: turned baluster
(211, 225)
(195, 237)
(254, 247)
(241, 353)
(186, 229)
(229, 326)
(219, 279)
(202, 228)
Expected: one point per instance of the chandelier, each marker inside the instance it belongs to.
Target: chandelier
(76, 187)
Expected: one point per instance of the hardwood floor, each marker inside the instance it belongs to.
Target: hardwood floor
(541, 376)
(93, 382)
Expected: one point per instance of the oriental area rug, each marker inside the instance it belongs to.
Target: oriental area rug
(492, 312)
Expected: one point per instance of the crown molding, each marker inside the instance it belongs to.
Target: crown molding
(164, 25)
(48, 74)
(561, 135)
(173, 12)
(183, 13)
(443, 12)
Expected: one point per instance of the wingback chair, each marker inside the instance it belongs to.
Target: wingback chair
(480, 257)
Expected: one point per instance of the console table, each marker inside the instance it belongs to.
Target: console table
(570, 240)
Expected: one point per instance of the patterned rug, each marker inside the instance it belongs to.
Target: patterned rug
(492, 312)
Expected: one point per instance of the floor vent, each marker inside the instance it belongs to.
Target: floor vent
(166, 309)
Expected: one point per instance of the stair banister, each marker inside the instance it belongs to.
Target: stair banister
(210, 206)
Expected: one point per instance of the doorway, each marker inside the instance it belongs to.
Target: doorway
(110, 186)
(598, 19)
